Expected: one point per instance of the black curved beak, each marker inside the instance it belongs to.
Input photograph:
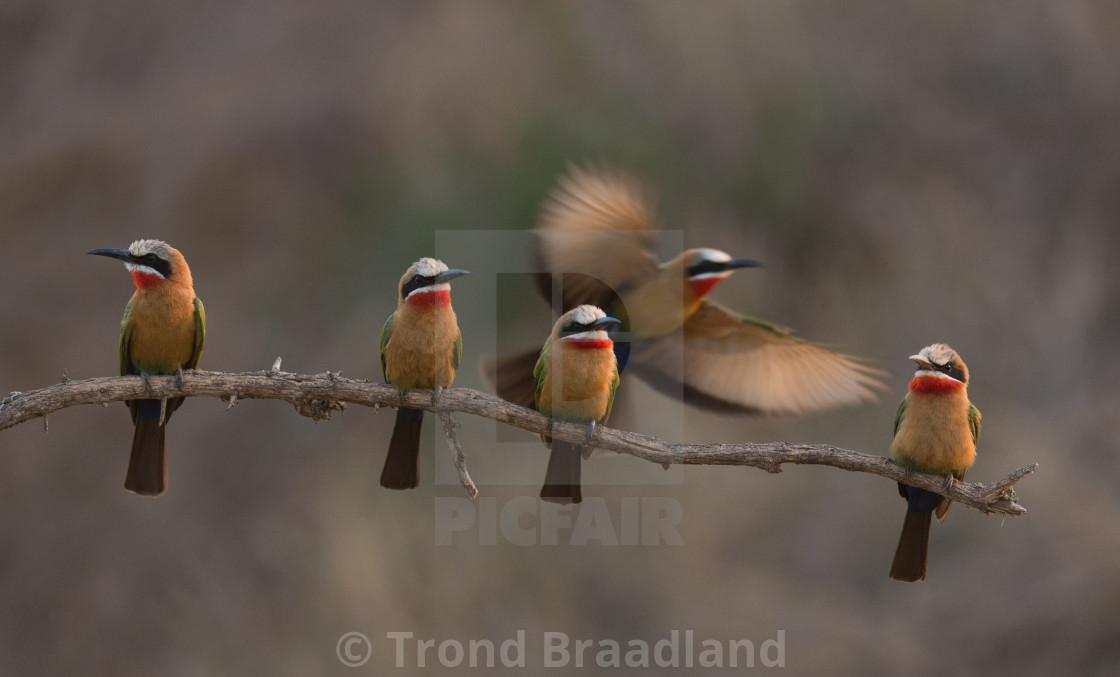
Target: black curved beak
(121, 254)
(741, 263)
(448, 275)
(605, 323)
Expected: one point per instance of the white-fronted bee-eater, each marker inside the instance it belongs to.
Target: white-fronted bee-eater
(420, 349)
(935, 431)
(576, 376)
(596, 233)
(162, 332)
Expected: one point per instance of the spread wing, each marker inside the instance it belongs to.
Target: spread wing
(725, 362)
(596, 229)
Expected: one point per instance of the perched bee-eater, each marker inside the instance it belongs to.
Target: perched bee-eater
(935, 431)
(420, 348)
(596, 233)
(576, 377)
(162, 332)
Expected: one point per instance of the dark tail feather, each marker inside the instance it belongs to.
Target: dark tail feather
(147, 466)
(561, 480)
(402, 464)
(913, 548)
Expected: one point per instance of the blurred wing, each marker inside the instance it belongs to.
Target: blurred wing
(596, 230)
(736, 364)
(512, 376)
(457, 354)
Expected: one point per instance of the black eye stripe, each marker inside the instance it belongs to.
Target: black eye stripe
(950, 370)
(415, 283)
(702, 267)
(573, 327)
(162, 266)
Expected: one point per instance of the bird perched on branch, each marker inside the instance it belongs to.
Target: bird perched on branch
(420, 348)
(162, 332)
(595, 236)
(935, 431)
(575, 378)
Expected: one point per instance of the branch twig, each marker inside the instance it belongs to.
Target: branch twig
(317, 396)
(457, 455)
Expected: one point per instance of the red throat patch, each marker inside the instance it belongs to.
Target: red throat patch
(589, 343)
(701, 286)
(145, 280)
(934, 384)
(430, 299)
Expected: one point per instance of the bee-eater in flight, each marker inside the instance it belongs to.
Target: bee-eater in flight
(576, 377)
(420, 349)
(935, 431)
(596, 232)
(162, 332)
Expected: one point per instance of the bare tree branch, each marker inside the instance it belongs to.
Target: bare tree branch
(318, 395)
(457, 455)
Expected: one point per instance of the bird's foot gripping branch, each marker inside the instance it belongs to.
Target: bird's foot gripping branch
(319, 395)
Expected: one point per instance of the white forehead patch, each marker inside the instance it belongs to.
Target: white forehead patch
(713, 255)
(428, 267)
(143, 247)
(586, 314)
(938, 353)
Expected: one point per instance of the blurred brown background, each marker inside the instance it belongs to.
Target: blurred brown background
(909, 173)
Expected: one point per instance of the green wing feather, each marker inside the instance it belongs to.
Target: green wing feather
(386, 331)
(199, 335)
(538, 372)
(610, 399)
(899, 415)
(457, 356)
(974, 422)
(125, 348)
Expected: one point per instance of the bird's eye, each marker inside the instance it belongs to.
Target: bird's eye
(150, 258)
